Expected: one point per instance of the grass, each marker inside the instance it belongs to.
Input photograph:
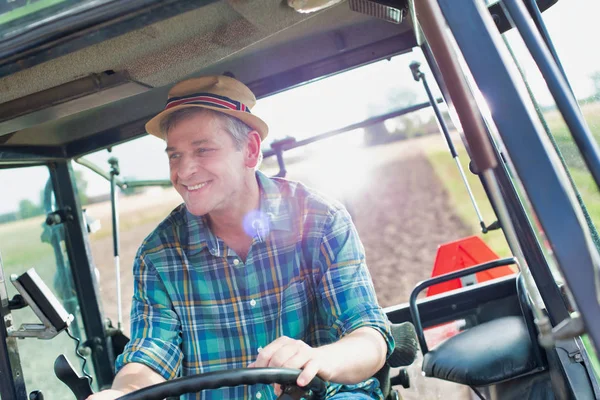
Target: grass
(129, 221)
(583, 179)
(23, 240)
(447, 172)
(23, 249)
(594, 360)
(445, 168)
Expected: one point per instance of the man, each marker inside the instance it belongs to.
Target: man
(249, 271)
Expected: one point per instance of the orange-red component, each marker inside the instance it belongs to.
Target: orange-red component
(462, 254)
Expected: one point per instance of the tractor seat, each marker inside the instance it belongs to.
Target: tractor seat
(489, 353)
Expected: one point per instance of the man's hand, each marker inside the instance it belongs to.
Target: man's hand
(106, 395)
(285, 352)
(352, 359)
(131, 377)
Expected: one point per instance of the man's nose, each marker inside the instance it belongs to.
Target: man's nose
(187, 167)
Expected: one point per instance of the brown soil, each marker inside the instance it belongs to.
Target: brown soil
(402, 214)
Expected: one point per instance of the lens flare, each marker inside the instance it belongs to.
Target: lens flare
(257, 224)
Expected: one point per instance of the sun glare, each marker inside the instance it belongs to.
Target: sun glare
(341, 166)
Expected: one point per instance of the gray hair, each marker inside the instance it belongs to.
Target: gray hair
(235, 127)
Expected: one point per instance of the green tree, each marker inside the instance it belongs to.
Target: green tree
(28, 209)
(401, 98)
(596, 80)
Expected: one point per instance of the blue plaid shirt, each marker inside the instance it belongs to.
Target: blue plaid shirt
(198, 308)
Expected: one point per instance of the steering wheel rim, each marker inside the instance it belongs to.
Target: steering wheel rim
(226, 378)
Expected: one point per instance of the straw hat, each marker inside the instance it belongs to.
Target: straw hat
(219, 93)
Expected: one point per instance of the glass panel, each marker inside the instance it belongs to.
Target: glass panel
(569, 23)
(19, 16)
(396, 197)
(139, 211)
(26, 241)
(341, 100)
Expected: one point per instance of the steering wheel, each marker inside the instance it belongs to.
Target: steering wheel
(286, 377)
(316, 389)
(404, 354)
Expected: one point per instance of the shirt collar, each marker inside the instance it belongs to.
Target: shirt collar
(199, 232)
(272, 205)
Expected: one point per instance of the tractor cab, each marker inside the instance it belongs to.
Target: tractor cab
(454, 132)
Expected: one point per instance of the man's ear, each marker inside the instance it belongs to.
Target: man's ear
(253, 149)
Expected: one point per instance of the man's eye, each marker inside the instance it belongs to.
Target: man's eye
(173, 156)
(203, 150)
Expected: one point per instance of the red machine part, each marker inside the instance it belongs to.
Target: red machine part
(462, 254)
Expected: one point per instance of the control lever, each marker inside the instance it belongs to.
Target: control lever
(401, 379)
(293, 392)
(66, 373)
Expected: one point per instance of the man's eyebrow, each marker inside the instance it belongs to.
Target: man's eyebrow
(194, 143)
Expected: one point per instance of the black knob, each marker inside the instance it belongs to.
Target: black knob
(36, 395)
(414, 68)
(401, 379)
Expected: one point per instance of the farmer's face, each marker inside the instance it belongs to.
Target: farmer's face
(206, 168)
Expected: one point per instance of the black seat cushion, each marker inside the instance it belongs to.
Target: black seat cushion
(489, 353)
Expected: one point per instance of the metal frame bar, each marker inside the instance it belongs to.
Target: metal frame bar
(82, 268)
(368, 122)
(501, 19)
(532, 251)
(114, 203)
(30, 154)
(414, 309)
(12, 385)
(49, 104)
(536, 14)
(418, 75)
(446, 307)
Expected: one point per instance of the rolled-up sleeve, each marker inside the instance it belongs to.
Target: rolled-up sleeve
(155, 327)
(348, 299)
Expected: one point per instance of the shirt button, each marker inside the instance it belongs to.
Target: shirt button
(236, 262)
(259, 349)
(258, 395)
(252, 302)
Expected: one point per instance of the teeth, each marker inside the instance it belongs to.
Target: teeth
(196, 187)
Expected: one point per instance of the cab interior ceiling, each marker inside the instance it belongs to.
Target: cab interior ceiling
(102, 94)
(264, 43)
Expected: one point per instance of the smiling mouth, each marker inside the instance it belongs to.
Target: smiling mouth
(197, 187)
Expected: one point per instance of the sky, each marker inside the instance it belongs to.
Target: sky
(339, 101)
